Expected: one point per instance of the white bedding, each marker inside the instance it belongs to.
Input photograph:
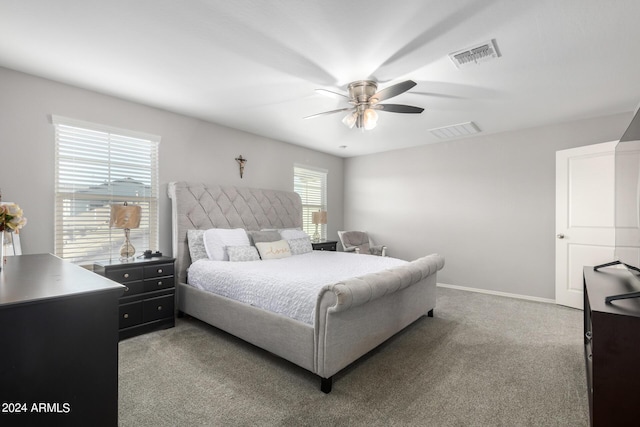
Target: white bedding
(288, 286)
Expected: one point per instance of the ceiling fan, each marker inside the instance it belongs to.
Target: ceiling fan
(365, 101)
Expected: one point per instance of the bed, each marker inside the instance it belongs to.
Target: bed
(350, 317)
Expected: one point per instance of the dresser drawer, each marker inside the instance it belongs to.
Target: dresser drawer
(122, 275)
(157, 308)
(132, 288)
(158, 270)
(130, 314)
(158, 283)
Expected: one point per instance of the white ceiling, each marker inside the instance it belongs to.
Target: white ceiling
(254, 64)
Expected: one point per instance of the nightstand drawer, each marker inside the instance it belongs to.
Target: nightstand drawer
(122, 275)
(158, 283)
(130, 314)
(329, 245)
(157, 308)
(132, 288)
(158, 270)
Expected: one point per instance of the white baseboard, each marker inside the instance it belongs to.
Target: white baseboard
(501, 294)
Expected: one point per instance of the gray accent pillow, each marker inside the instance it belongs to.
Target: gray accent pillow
(243, 253)
(292, 233)
(300, 246)
(263, 236)
(196, 245)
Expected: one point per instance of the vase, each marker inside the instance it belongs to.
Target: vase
(1, 250)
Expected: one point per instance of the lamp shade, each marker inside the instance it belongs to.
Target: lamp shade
(319, 217)
(125, 216)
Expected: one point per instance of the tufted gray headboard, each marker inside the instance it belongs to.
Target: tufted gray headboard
(201, 206)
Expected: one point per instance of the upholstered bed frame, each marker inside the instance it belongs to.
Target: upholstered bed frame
(352, 317)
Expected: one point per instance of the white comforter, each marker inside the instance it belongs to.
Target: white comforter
(288, 286)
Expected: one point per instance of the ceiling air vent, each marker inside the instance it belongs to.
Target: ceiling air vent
(473, 55)
(454, 131)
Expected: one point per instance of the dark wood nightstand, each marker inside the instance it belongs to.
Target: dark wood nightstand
(325, 245)
(148, 300)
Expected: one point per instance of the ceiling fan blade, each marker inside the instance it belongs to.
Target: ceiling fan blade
(398, 108)
(330, 112)
(392, 91)
(332, 94)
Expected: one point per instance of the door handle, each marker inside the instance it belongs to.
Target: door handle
(560, 236)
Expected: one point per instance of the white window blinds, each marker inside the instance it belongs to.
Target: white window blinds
(311, 185)
(97, 166)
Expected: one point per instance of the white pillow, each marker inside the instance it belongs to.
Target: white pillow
(292, 233)
(274, 250)
(217, 239)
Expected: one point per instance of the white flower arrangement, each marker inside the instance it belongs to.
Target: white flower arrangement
(11, 217)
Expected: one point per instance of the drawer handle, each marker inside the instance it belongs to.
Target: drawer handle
(590, 356)
(126, 315)
(159, 282)
(159, 270)
(588, 335)
(159, 308)
(126, 275)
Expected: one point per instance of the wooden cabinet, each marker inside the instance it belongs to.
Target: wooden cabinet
(59, 344)
(327, 245)
(612, 350)
(148, 301)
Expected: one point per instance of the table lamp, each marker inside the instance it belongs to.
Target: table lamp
(319, 217)
(125, 217)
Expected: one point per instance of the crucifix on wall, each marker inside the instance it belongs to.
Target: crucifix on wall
(241, 162)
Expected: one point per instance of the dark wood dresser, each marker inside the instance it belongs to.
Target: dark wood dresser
(149, 297)
(612, 351)
(58, 344)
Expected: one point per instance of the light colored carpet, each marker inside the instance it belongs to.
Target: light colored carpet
(481, 361)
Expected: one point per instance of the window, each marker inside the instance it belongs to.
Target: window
(97, 166)
(311, 185)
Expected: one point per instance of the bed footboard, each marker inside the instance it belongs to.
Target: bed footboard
(361, 290)
(356, 315)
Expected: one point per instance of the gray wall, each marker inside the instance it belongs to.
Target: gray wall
(191, 150)
(487, 204)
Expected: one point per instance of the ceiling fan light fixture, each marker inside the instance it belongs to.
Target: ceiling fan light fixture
(370, 119)
(350, 120)
(370, 125)
(364, 97)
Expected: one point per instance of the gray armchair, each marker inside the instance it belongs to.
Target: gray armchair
(359, 242)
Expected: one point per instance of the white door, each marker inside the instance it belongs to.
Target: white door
(585, 220)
